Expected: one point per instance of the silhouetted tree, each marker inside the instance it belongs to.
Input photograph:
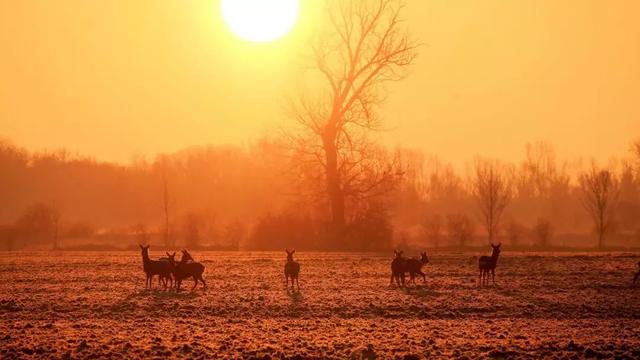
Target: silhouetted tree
(543, 231)
(433, 226)
(362, 48)
(491, 186)
(459, 228)
(600, 191)
(191, 229)
(39, 224)
(515, 231)
(234, 232)
(371, 228)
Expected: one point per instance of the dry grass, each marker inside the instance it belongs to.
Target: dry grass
(94, 304)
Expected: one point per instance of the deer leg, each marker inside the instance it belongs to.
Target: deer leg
(636, 277)
(493, 275)
(298, 283)
(480, 278)
(393, 276)
(204, 283)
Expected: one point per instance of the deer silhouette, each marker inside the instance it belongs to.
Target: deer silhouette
(414, 267)
(291, 270)
(637, 275)
(186, 268)
(487, 264)
(154, 267)
(398, 268)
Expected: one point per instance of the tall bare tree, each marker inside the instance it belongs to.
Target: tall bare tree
(635, 149)
(600, 190)
(491, 185)
(433, 227)
(362, 47)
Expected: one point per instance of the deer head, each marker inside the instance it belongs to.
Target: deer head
(289, 254)
(185, 256)
(144, 249)
(172, 258)
(495, 249)
(423, 257)
(398, 253)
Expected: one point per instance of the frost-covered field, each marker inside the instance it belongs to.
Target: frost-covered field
(85, 305)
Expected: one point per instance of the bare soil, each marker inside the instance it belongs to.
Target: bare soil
(93, 304)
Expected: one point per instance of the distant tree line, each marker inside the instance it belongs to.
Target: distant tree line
(231, 197)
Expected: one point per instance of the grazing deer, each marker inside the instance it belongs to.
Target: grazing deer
(637, 275)
(488, 264)
(186, 268)
(153, 267)
(414, 266)
(398, 268)
(291, 270)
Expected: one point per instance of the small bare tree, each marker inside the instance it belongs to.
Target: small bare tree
(543, 231)
(515, 231)
(600, 190)
(363, 47)
(491, 185)
(459, 228)
(433, 229)
(635, 150)
(191, 229)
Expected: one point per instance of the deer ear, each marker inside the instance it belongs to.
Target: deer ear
(169, 255)
(293, 252)
(499, 244)
(141, 247)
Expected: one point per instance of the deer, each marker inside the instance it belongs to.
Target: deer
(487, 264)
(291, 270)
(637, 275)
(398, 268)
(414, 266)
(154, 267)
(186, 268)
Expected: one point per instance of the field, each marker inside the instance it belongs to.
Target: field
(86, 305)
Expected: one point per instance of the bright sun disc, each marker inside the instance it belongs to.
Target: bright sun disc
(260, 20)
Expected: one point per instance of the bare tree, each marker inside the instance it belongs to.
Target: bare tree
(515, 232)
(234, 232)
(491, 185)
(600, 190)
(543, 231)
(362, 48)
(459, 228)
(635, 149)
(433, 229)
(162, 165)
(55, 220)
(191, 229)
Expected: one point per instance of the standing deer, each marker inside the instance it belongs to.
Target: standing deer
(153, 267)
(414, 266)
(488, 264)
(637, 275)
(398, 268)
(291, 270)
(186, 268)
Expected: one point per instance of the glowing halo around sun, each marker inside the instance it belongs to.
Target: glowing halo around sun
(260, 20)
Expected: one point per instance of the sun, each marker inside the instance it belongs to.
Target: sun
(260, 20)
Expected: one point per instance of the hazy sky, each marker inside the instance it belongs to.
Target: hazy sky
(116, 78)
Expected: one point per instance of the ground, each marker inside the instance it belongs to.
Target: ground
(81, 305)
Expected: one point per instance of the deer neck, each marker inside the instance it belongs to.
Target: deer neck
(494, 257)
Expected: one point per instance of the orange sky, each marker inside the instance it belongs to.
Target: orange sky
(117, 78)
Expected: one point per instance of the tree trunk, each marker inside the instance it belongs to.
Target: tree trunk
(334, 191)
